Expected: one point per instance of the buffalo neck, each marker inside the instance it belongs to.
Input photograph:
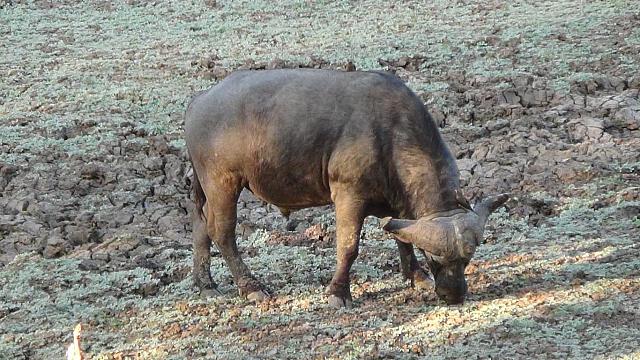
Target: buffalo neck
(427, 179)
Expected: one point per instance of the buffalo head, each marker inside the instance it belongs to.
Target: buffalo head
(448, 240)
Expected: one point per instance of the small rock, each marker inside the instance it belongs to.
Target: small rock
(302, 226)
(143, 250)
(610, 104)
(160, 146)
(92, 172)
(8, 223)
(168, 222)
(32, 227)
(55, 247)
(174, 169)
(257, 214)
(147, 289)
(7, 172)
(123, 218)
(467, 165)
(534, 97)
(84, 217)
(164, 190)
(79, 235)
(90, 265)
(522, 81)
(586, 129)
(19, 205)
(142, 261)
(124, 245)
(510, 97)
(8, 251)
(100, 256)
(153, 163)
(497, 124)
(610, 83)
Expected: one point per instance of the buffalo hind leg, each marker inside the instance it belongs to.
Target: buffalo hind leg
(202, 257)
(349, 218)
(411, 268)
(222, 209)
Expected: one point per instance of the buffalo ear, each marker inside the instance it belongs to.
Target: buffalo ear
(462, 201)
(485, 207)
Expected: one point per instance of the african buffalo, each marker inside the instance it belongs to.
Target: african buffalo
(361, 140)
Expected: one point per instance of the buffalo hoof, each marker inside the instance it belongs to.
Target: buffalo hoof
(338, 302)
(257, 296)
(210, 293)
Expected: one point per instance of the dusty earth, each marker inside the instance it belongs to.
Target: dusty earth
(539, 100)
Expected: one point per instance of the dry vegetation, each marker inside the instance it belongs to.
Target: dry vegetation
(537, 98)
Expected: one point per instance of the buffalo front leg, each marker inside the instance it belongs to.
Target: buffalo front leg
(349, 218)
(223, 231)
(411, 269)
(202, 257)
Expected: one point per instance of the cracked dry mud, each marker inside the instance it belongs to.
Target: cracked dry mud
(106, 206)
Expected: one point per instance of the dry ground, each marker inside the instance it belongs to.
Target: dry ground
(538, 98)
